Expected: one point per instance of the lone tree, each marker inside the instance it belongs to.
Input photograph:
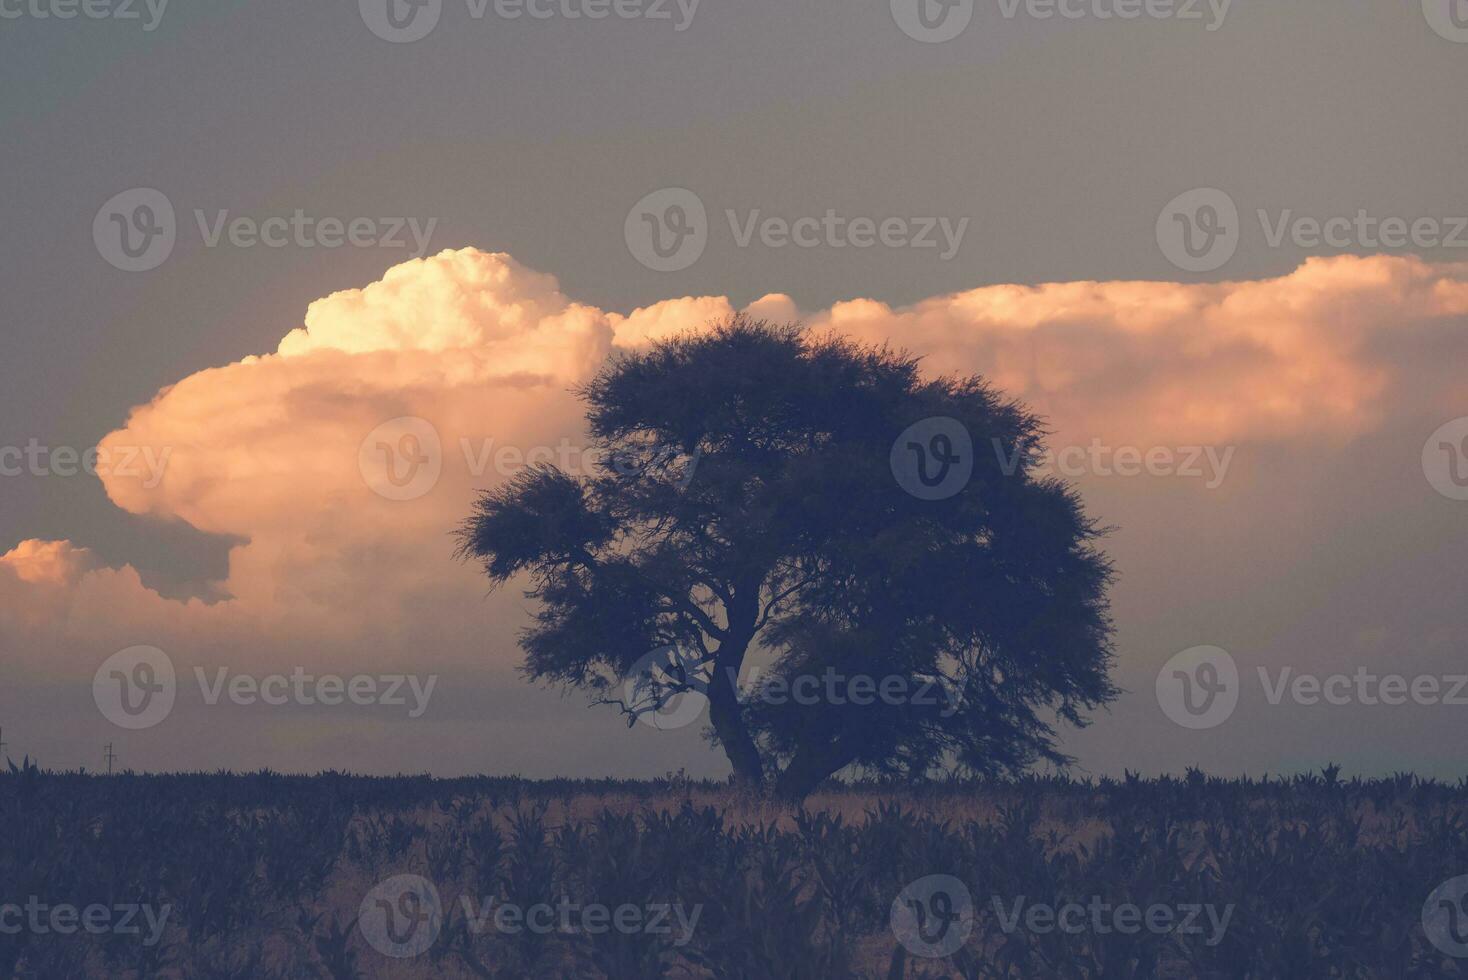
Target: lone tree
(775, 504)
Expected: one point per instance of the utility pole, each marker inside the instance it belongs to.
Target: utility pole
(110, 757)
(2, 742)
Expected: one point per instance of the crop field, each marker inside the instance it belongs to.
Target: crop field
(265, 876)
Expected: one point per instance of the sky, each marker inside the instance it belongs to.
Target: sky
(1220, 247)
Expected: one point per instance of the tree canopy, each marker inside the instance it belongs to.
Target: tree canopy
(768, 498)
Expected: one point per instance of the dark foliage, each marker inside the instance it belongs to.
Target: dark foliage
(264, 874)
(746, 508)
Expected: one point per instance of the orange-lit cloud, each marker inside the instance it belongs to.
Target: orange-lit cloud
(267, 449)
(1163, 363)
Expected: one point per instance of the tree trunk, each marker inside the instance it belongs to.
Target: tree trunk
(749, 769)
(811, 765)
(723, 691)
(723, 695)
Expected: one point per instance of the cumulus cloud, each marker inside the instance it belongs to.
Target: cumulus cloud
(1155, 362)
(268, 450)
(53, 563)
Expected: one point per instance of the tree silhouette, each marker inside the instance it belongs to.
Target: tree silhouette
(749, 510)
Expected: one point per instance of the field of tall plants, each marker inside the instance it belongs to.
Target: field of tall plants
(260, 876)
